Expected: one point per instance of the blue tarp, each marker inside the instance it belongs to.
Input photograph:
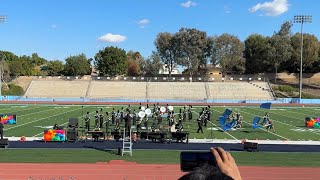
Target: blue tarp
(255, 122)
(265, 105)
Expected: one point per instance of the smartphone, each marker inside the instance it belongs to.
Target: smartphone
(191, 160)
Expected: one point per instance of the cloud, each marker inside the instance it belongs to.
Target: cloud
(112, 38)
(188, 4)
(53, 26)
(274, 8)
(143, 22)
(227, 9)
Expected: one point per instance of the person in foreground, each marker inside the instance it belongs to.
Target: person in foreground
(226, 168)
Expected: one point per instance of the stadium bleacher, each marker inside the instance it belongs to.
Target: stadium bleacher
(149, 90)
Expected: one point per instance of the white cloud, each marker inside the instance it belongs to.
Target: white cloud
(112, 38)
(274, 8)
(53, 26)
(143, 22)
(188, 4)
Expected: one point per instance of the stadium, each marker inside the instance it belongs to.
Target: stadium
(119, 115)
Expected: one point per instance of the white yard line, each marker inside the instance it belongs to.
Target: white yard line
(282, 122)
(39, 119)
(60, 124)
(261, 128)
(25, 109)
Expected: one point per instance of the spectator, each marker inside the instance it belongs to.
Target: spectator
(226, 168)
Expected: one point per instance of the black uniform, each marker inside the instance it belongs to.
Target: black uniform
(113, 116)
(128, 120)
(87, 120)
(134, 117)
(97, 118)
(107, 124)
(100, 119)
(1, 130)
(189, 114)
(121, 116)
(200, 123)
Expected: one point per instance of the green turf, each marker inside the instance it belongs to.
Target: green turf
(288, 122)
(154, 157)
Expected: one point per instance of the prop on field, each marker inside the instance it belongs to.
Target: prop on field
(8, 118)
(225, 125)
(227, 113)
(312, 122)
(54, 135)
(255, 122)
(265, 105)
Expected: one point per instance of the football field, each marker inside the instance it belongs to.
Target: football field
(32, 120)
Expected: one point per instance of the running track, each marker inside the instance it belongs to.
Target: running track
(119, 170)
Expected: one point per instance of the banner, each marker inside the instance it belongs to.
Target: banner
(54, 135)
(8, 118)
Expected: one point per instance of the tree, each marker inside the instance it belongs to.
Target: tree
(279, 52)
(77, 66)
(285, 30)
(228, 53)
(310, 50)
(55, 68)
(36, 60)
(153, 64)
(191, 44)
(133, 68)
(166, 44)
(134, 63)
(111, 61)
(256, 53)
(4, 68)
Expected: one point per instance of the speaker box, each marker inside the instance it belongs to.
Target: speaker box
(4, 143)
(250, 146)
(72, 135)
(73, 122)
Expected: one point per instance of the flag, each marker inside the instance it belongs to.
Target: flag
(265, 105)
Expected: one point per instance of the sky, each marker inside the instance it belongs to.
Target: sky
(56, 29)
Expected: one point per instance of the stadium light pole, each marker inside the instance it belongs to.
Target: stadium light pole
(301, 19)
(2, 20)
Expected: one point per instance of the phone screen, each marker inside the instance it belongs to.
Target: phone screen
(189, 160)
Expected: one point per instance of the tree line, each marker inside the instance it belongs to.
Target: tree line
(189, 48)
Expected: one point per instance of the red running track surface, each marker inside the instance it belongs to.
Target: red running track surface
(120, 170)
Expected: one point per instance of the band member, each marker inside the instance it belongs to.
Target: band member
(184, 115)
(97, 118)
(159, 119)
(269, 125)
(239, 122)
(113, 116)
(128, 108)
(139, 124)
(208, 112)
(128, 120)
(146, 123)
(121, 115)
(266, 117)
(1, 130)
(117, 126)
(171, 120)
(134, 117)
(87, 121)
(107, 124)
(55, 127)
(238, 115)
(200, 124)
(205, 119)
(100, 118)
(118, 117)
(140, 106)
(189, 114)
(179, 126)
